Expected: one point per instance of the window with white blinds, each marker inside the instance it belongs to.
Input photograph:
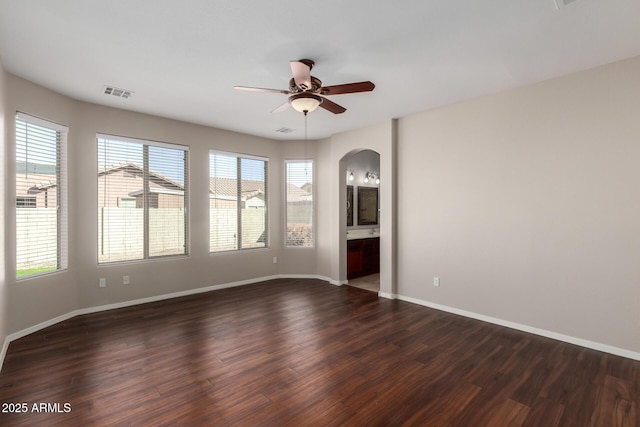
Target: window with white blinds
(41, 208)
(299, 200)
(238, 214)
(142, 199)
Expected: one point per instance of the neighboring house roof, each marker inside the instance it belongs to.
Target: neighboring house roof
(297, 194)
(156, 178)
(227, 188)
(34, 177)
(155, 190)
(219, 188)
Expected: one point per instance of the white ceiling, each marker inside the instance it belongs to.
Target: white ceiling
(182, 58)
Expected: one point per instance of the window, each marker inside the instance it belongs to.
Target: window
(299, 199)
(238, 213)
(41, 238)
(25, 202)
(142, 199)
(127, 203)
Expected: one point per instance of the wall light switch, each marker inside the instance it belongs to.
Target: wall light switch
(103, 282)
(275, 259)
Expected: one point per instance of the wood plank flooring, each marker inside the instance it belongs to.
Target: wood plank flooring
(306, 353)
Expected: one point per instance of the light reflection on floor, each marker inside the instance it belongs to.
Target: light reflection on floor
(369, 283)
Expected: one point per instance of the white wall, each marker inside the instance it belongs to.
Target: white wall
(526, 205)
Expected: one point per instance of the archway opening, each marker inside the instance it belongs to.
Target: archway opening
(361, 210)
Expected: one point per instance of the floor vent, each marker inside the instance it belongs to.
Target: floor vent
(120, 93)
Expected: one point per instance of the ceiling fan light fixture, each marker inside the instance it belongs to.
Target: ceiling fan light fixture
(305, 102)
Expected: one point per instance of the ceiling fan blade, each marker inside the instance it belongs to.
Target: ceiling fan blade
(260, 89)
(281, 108)
(348, 88)
(332, 106)
(301, 74)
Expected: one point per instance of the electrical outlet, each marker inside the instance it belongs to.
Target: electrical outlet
(436, 281)
(125, 280)
(103, 282)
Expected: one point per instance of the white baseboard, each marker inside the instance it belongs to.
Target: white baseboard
(45, 324)
(305, 276)
(3, 351)
(188, 292)
(525, 328)
(387, 296)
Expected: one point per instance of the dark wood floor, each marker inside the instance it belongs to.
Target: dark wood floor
(304, 353)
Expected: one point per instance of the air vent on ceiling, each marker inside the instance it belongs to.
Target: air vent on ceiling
(284, 130)
(563, 3)
(120, 93)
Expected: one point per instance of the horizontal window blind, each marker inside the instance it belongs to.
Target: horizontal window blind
(299, 201)
(41, 239)
(142, 199)
(238, 202)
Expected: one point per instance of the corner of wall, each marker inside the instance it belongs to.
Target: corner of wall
(4, 343)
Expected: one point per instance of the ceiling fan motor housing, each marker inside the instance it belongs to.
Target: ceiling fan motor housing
(316, 84)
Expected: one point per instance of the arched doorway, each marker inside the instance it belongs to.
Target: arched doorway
(380, 138)
(363, 219)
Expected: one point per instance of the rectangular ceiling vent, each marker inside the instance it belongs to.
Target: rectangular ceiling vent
(563, 3)
(120, 93)
(284, 130)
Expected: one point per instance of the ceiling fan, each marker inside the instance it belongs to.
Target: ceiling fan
(306, 92)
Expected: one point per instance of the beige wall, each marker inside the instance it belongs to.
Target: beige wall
(4, 306)
(302, 261)
(39, 299)
(200, 269)
(529, 208)
(335, 154)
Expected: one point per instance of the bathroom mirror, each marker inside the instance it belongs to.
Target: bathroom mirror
(367, 206)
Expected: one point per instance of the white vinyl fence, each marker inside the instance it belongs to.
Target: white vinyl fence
(120, 233)
(223, 229)
(36, 238)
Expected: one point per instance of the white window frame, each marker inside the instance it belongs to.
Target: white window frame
(62, 252)
(146, 232)
(313, 205)
(239, 157)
